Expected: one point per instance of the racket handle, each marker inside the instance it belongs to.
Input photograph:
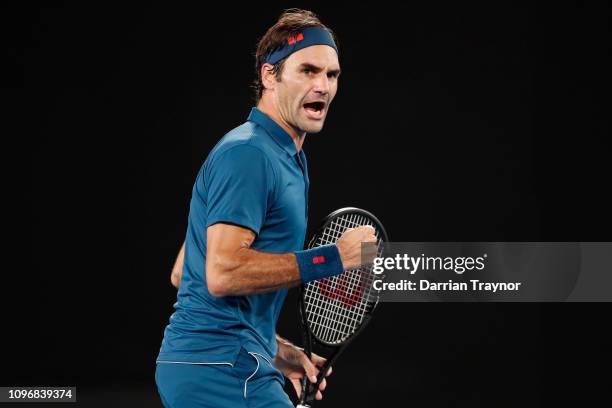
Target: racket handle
(302, 406)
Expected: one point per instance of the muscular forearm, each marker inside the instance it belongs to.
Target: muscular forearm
(248, 271)
(233, 268)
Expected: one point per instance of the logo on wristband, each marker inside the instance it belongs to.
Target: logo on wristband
(318, 259)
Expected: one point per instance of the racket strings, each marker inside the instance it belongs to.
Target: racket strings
(335, 307)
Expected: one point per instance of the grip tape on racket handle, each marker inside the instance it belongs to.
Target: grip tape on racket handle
(319, 263)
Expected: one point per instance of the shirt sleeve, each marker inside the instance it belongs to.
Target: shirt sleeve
(239, 188)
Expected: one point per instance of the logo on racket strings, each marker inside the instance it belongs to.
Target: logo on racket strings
(340, 291)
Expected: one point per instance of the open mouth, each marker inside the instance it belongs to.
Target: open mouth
(315, 109)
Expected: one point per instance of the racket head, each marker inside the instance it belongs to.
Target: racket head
(335, 309)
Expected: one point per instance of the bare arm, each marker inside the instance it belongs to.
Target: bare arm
(233, 268)
(294, 364)
(177, 269)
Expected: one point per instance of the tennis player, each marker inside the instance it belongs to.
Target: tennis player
(246, 228)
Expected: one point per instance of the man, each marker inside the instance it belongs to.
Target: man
(246, 229)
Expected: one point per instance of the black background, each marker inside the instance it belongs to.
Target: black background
(471, 123)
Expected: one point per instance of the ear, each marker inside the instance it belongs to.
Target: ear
(268, 79)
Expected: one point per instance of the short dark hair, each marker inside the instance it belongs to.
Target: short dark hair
(290, 23)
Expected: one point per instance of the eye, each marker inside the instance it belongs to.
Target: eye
(332, 75)
(307, 71)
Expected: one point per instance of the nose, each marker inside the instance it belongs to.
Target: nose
(321, 84)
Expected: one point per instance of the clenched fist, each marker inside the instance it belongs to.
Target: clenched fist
(350, 248)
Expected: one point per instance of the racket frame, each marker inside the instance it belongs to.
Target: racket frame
(309, 390)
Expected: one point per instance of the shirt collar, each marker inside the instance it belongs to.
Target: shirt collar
(280, 136)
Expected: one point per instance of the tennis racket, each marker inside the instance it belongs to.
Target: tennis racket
(334, 310)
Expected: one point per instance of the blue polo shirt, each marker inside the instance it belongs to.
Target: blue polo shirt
(255, 178)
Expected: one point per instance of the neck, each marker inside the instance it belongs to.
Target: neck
(297, 135)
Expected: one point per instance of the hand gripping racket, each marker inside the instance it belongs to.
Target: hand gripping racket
(334, 310)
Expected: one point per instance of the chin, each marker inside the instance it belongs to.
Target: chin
(312, 126)
(314, 129)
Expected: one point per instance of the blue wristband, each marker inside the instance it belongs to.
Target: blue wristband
(319, 263)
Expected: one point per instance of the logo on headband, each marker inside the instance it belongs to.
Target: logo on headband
(293, 40)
